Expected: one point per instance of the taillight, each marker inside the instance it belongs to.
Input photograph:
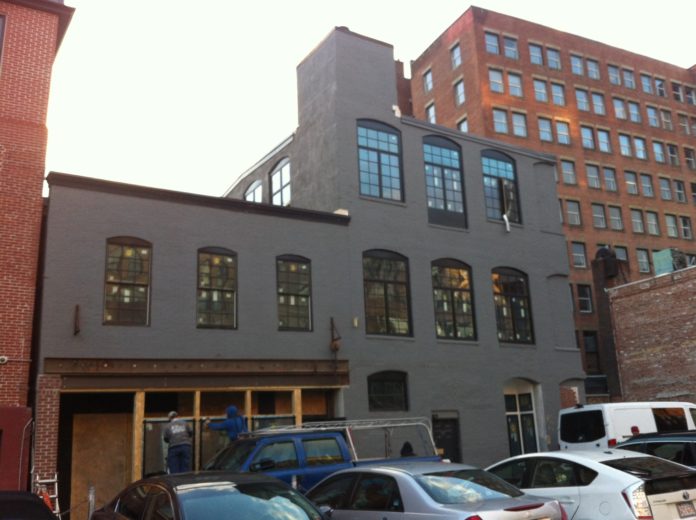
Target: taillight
(475, 517)
(611, 443)
(637, 501)
(564, 515)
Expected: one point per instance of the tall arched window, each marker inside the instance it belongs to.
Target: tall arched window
(280, 184)
(512, 306)
(379, 159)
(453, 299)
(127, 284)
(294, 286)
(254, 192)
(443, 181)
(387, 391)
(500, 186)
(386, 284)
(217, 288)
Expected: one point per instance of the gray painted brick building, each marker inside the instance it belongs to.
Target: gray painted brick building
(380, 267)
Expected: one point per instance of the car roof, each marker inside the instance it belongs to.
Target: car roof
(689, 435)
(639, 404)
(582, 455)
(411, 468)
(207, 477)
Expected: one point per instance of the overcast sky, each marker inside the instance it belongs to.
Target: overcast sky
(187, 95)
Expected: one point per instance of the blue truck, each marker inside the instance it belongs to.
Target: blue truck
(303, 455)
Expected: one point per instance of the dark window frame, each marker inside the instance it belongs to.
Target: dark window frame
(437, 172)
(387, 287)
(508, 329)
(121, 285)
(451, 291)
(370, 124)
(398, 401)
(494, 188)
(211, 287)
(295, 259)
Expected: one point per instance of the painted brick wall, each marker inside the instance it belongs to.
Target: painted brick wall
(655, 335)
(28, 52)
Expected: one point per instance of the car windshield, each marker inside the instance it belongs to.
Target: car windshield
(647, 467)
(233, 457)
(465, 486)
(227, 501)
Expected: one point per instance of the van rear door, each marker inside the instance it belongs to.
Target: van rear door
(582, 429)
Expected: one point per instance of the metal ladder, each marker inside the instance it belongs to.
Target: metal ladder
(50, 485)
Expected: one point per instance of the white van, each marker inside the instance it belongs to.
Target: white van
(602, 426)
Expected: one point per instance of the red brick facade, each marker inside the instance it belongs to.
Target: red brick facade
(46, 412)
(32, 31)
(676, 129)
(655, 336)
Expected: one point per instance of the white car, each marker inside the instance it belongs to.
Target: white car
(426, 491)
(605, 484)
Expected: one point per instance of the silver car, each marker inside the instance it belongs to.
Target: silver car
(428, 490)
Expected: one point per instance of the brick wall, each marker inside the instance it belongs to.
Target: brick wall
(46, 413)
(28, 52)
(655, 336)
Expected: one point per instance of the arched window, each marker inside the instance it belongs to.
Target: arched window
(386, 284)
(387, 391)
(294, 286)
(379, 159)
(453, 299)
(217, 288)
(500, 186)
(127, 283)
(280, 184)
(254, 192)
(512, 306)
(443, 181)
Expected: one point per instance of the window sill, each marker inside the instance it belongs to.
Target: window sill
(467, 342)
(506, 344)
(399, 203)
(390, 337)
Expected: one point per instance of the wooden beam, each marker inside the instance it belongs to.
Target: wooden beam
(138, 435)
(297, 405)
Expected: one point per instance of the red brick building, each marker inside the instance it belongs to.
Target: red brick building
(655, 336)
(622, 125)
(30, 33)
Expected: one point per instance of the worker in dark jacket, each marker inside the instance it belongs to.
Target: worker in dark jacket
(178, 435)
(233, 425)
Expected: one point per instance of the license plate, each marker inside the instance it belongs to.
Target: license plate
(686, 509)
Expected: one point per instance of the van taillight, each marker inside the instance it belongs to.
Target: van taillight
(612, 443)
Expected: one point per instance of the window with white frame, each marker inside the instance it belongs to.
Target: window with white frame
(629, 78)
(619, 108)
(587, 135)
(592, 172)
(666, 117)
(671, 225)
(562, 132)
(577, 65)
(598, 104)
(536, 54)
(463, 125)
(492, 43)
(579, 255)
(631, 183)
(637, 221)
(540, 92)
(643, 257)
(665, 189)
(573, 212)
(677, 92)
(690, 93)
(684, 124)
(660, 87)
(659, 151)
(599, 219)
(553, 59)
(558, 94)
(615, 218)
(653, 117)
(592, 69)
(686, 230)
(568, 171)
(679, 191)
(690, 158)
(545, 130)
(614, 74)
(646, 83)
(584, 298)
(254, 192)
(430, 113)
(459, 94)
(500, 123)
(625, 145)
(456, 56)
(603, 141)
(640, 148)
(609, 179)
(495, 80)
(646, 185)
(582, 99)
(634, 112)
(621, 253)
(510, 47)
(427, 81)
(651, 223)
(519, 124)
(514, 84)
(673, 154)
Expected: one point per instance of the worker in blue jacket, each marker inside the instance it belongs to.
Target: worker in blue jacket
(233, 425)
